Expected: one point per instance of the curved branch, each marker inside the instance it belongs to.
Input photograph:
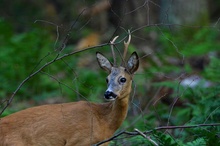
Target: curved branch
(155, 129)
(8, 102)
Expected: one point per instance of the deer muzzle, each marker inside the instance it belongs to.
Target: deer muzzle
(110, 96)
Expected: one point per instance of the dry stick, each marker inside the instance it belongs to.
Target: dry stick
(41, 68)
(211, 114)
(176, 99)
(156, 129)
(57, 29)
(52, 61)
(216, 23)
(139, 7)
(173, 44)
(61, 83)
(173, 103)
(147, 137)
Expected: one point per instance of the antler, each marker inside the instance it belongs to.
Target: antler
(112, 47)
(126, 44)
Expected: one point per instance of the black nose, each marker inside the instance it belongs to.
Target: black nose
(110, 95)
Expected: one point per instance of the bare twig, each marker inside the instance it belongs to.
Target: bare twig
(61, 83)
(173, 103)
(156, 129)
(41, 68)
(57, 29)
(147, 137)
(141, 133)
(56, 58)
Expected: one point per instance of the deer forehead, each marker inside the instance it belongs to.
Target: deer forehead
(118, 72)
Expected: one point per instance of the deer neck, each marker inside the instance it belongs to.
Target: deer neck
(118, 112)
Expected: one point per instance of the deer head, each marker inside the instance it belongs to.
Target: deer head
(119, 80)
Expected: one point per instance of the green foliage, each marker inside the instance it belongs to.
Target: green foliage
(197, 142)
(210, 135)
(20, 53)
(8, 112)
(212, 71)
(165, 139)
(190, 42)
(135, 140)
(91, 84)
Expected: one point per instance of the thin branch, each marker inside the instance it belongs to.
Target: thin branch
(174, 102)
(140, 133)
(41, 68)
(110, 139)
(61, 83)
(57, 29)
(156, 129)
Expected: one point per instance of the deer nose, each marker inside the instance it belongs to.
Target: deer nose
(109, 95)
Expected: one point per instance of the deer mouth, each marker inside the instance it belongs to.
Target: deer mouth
(110, 96)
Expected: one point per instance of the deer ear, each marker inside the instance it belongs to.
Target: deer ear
(133, 63)
(104, 63)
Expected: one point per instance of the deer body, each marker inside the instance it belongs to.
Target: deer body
(62, 124)
(78, 123)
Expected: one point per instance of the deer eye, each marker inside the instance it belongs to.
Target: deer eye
(106, 80)
(122, 80)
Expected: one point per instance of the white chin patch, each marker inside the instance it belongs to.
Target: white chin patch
(111, 98)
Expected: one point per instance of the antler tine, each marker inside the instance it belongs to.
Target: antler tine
(112, 48)
(126, 44)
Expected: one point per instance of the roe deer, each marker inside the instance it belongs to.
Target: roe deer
(78, 123)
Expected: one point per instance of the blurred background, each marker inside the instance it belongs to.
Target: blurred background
(178, 82)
